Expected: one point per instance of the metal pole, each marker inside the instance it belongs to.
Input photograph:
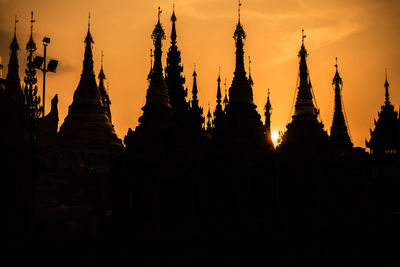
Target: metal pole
(44, 78)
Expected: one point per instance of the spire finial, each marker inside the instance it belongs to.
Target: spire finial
(194, 67)
(303, 36)
(386, 74)
(151, 58)
(336, 65)
(89, 21)
(239, 5)
(32, 21)
(249, 66)
(15, 24)
(225, 86)
(159, 14)
(102, 55)
(386, 88)
(268, 93)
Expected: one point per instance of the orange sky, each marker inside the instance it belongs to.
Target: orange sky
(363, 34)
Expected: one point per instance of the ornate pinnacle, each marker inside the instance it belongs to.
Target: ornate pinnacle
(226, 101)
(250, 79)
(158, 32)
(303, 36)
(31, 46)
(173, 17)
(101, 74)
(89, 39)
(239, 5)
(219, 95)
(15, 25)
(14, 44)
(387, 100)
(337, 79)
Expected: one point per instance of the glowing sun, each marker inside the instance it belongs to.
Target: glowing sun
(274, 136)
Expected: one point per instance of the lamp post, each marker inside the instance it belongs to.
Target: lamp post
(41, 61)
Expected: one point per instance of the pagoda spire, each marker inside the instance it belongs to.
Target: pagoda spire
(88, 121)
(268, 109)
(32, 100)
(219, 112)
(12, 80)
(195, 111)
(268, 113)
(88, 59)
(87, 90)
(157, 93)
(242, 125)
(195, 101)
(339, 132)
(304, 107)
(384, 141)
(173, 31)
(226, 100)
(305, 134)
(174, 74)
(387, 99)
(103, 91)
(219, 95)
(240, 91)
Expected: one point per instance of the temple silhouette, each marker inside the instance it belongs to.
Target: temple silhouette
(211, 181)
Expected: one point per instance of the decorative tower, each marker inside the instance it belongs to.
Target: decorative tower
(196, 112)
(32, 100)
(339, 139)
(268, 109)
(384, 141)
(250, 79)
(157, 105)
(173, 75)
(226, 100)
(219, 112)
(103, 91)
(87, 125)
(242, 127)
(13, 83)
(305, 134)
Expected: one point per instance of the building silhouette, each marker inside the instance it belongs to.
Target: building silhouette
(384, 141)
(305, 133)
(339, 136)
(212, 182)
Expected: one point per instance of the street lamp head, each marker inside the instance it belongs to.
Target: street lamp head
(52, 66)
(46, 40)
(37, 62)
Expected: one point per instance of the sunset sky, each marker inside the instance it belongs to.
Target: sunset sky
(363, 34)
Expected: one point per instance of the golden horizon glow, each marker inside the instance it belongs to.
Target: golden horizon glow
(363, 34)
